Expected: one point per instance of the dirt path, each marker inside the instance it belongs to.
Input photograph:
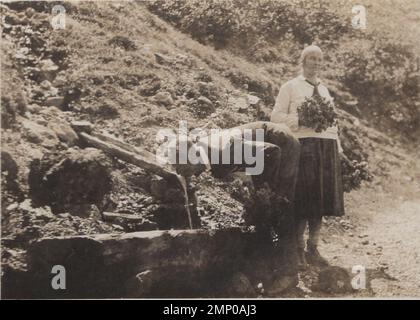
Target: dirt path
(400, 239)
(382, 233)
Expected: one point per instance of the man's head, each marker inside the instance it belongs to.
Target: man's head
(191, 158)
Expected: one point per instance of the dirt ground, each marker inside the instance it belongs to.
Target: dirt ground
(380, 232)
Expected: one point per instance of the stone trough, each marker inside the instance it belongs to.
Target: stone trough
(173, 263)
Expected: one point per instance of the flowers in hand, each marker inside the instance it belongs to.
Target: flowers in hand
(317, 112)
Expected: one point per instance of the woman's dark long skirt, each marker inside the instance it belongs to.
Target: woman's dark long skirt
(319, 189)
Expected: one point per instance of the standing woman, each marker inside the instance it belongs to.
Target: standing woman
(319, 189)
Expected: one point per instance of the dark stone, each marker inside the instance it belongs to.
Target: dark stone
(9, 164)
(334, 280)
(79, 176)
(183, 263)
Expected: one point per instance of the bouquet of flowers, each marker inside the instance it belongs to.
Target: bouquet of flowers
(317, 112)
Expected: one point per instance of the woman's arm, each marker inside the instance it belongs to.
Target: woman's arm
(281, 112)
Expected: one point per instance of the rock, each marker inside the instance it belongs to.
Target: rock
(205, 105)
(45, 85)
(82, 126)
(22, 53)
(48, 69)
(30, 12)
(35, 153)
(106, 110)
(64, 215)
(60, 79)
(64, 131)
(34, 108)
(365, 242)
(42, 122)
(239, 104)
(164, 98)
(39, 134)
(8, 164)
(44, 214)
(52, 113)
(183, 59)
(26, 205)
(207, 89)
(253, 100)
(12, 207)
(56, 101)
(117, 227)
(76, 177)
(52, 92)
(333, 280)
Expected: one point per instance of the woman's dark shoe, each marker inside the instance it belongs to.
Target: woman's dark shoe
(302, 264)
(313, 257)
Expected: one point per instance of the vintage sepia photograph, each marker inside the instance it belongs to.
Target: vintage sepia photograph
(210, 149)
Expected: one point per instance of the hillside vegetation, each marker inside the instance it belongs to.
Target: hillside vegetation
(376, 68)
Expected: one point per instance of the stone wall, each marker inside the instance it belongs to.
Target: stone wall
(174, 263)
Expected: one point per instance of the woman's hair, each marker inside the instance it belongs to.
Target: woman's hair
(307, 50)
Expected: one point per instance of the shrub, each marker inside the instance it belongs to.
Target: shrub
(378, 66)
(11, 106)
(354, 172)
(383, 76)
(222, 20)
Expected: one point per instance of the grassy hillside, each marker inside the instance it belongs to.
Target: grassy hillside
(375, 71)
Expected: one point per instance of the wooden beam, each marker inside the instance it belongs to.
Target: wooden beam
(111, 216)
(129, 156)
(140, 158)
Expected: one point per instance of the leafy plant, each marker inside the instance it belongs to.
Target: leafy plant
(318, 113)
(354, 173)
